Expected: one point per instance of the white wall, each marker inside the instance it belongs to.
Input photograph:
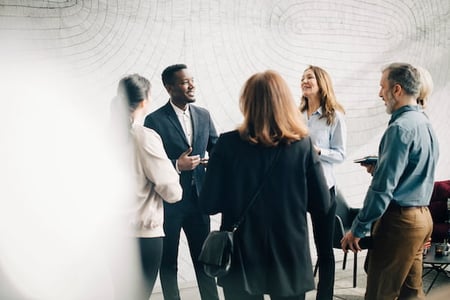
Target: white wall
(95, 43)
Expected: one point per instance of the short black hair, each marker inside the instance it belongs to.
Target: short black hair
(167, 74)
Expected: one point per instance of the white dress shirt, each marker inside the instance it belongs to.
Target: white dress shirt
(184, 116)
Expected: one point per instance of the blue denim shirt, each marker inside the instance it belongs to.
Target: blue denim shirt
(331, 139)
(407, 157)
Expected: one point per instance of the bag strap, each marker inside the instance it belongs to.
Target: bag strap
(258, 191)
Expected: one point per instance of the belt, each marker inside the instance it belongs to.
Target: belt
(395, 205)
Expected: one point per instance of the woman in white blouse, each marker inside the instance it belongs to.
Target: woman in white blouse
(325, 119)
(156, 179)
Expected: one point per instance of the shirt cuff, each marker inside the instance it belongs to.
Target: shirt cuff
(359, 230)
(176, 166)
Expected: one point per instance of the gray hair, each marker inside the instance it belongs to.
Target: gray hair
(405, 75)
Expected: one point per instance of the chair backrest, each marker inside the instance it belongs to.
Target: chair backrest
(438, 201)
(343, 220)
(441, 191)
(344, 211)
(339, 232)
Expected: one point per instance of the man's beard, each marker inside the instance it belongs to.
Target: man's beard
(390, 103)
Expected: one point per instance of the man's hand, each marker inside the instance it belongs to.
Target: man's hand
(317, 149)
(369, 167)
(349, 241)
(186, 162)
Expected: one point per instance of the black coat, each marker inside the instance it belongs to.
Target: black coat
(272, 245)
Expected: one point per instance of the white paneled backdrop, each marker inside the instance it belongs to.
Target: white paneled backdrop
(75, 51)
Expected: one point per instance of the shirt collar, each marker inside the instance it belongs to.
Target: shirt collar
(398, 112)
(319, 112)
(179, 111)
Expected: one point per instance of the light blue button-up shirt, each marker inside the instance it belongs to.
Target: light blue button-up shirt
(407, 157)
(331, 139)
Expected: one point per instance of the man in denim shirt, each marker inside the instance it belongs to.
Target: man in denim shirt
(397, 199)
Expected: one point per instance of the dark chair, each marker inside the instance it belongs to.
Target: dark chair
(343, 221)
(439, 211)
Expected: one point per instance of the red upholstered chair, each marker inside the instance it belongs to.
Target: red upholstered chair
(438, 210)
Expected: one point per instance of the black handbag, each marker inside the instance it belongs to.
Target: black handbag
(216, 253)
(217, 249)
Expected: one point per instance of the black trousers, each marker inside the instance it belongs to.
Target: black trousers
(196, 227)
(325, 253)
(232, 294)
(151, 253)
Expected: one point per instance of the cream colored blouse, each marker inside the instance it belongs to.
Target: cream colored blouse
(156, 181)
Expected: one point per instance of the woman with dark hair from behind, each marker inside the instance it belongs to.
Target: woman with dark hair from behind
(271, 247)
(156, 178)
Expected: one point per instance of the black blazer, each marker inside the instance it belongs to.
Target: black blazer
(272, 244)
(165, 122)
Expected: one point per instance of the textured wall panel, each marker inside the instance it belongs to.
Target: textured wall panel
(224, 42)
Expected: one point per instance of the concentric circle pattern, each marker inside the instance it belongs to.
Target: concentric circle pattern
(224, 42)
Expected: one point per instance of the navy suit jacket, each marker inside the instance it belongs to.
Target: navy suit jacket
(165, 122)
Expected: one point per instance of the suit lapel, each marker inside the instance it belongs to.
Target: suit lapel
(172, 116)
(195, 123)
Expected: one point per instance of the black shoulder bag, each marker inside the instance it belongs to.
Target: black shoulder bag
(217, 249)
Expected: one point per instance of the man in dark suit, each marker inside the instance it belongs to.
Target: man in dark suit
(187, 132)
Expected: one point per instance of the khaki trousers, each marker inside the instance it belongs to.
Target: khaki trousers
(395, 261)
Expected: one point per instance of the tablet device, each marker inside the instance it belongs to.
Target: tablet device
(367, 160)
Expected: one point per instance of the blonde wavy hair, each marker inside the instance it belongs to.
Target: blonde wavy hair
(426, 86)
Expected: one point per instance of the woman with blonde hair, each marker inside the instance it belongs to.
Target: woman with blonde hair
(426, 87)
(271, 248)
(325, 118)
